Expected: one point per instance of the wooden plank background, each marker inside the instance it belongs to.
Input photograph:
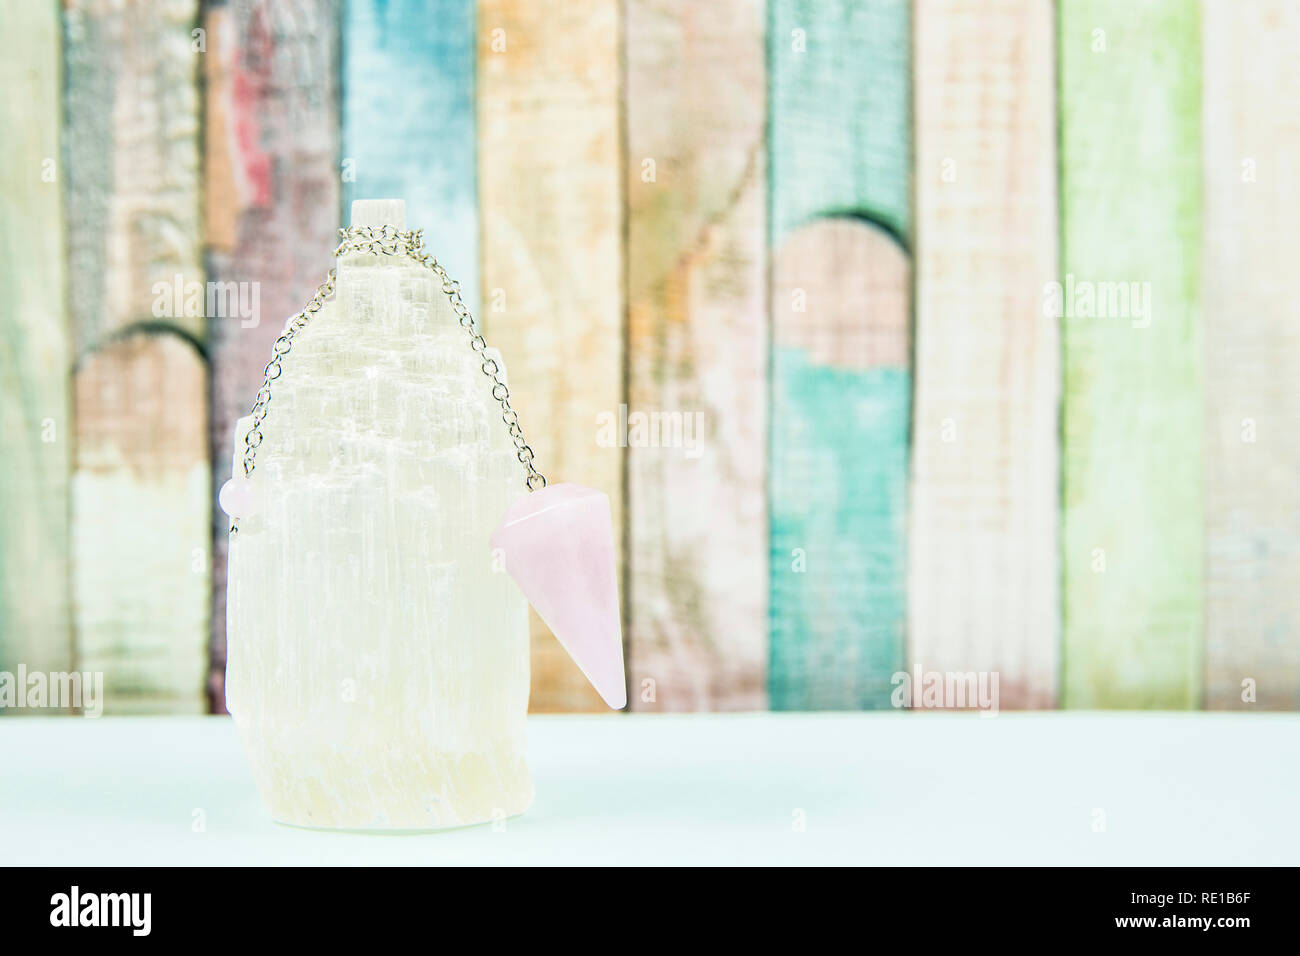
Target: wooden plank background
(271, 204)
(841, 386)
(697, 208)
(35, 349)
(409, 66)
(549, 168)
(985, 560)
(1131, 210)
(697, 347)
(1251, 143)
(140, 487)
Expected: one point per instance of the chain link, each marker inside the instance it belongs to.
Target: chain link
(388, 241)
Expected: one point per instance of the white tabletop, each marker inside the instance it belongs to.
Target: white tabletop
(890, 788)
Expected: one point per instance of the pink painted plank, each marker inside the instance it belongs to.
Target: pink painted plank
(697, 352)
(271, 197)
(1251, 148)
(984, 590)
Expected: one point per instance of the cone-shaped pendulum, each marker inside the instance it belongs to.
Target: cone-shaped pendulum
(558, 545)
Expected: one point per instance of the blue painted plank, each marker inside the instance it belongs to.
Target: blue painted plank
(409, 121)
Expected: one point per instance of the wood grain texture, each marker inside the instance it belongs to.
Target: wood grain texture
(35, 349)
(271, 197)
(840, 399)
(1131, 208)
(841, 387)
(409, 121)
(1252, 353)
(840, 111)
(140, 495)
(697, 346)
(549, 155)
(984, 590)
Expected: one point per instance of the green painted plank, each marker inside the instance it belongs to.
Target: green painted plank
(1130, 103)
(841, 387)
(986, 466)
(409, 121)
(697, 352)
(35, 407)
(1251, 147)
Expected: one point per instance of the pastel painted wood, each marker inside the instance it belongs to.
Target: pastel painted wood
(1133, 404)
(409, 121)
(841, 388)
(140, 548)
(1251, 148)
(35, 406)
(985, 554)
(271, 201)
(140, 491)
(841, 131)
(697, 352)
(841, 392)
(549, 132)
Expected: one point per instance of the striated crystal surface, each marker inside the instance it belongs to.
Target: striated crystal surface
(377, 662)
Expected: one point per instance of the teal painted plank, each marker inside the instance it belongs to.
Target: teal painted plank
(841, 129)
(409, 121)
(841, 387)
(837, 627)
(839, 449)
(1133, 408)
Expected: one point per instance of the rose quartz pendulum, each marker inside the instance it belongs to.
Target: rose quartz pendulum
(558, 546)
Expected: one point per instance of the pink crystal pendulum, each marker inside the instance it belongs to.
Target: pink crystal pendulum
(558, 545)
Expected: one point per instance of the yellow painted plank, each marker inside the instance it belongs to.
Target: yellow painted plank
(552, 275)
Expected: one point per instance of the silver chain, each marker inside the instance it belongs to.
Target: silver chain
(388, 241)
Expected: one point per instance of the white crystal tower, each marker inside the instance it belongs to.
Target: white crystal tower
(377, 659)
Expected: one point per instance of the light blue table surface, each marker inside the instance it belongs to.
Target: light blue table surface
(894, 789)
